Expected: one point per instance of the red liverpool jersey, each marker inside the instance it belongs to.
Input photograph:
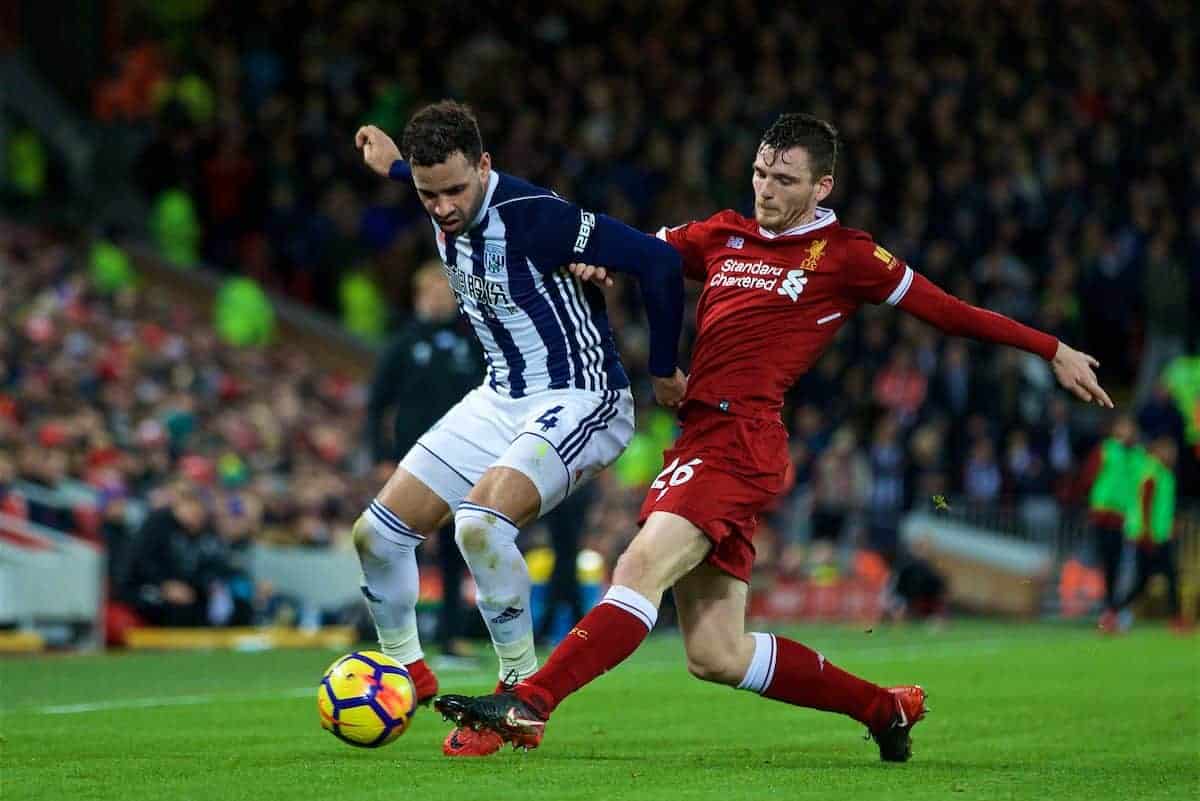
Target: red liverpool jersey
(772, 303)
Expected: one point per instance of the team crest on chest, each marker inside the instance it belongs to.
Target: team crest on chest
(494, 261)
(815, 251)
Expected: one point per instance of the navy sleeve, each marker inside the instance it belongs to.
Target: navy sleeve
(556, 233)
(400, 171)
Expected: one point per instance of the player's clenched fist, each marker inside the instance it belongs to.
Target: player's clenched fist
(590, 272)
(378, 149)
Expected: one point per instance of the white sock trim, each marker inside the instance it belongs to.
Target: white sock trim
(762, 665)
(389, 526)
(632, 602)
(491, 517)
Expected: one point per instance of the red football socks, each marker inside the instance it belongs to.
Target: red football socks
(803, 677)
(603, 639)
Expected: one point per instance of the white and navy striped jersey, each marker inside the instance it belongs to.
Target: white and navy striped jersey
(540, 327)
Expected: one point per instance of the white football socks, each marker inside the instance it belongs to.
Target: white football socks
(488, 541)
(386, 548)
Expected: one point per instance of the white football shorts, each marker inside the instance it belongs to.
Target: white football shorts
(559, 438)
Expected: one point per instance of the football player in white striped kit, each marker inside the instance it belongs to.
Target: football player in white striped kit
(554, 409)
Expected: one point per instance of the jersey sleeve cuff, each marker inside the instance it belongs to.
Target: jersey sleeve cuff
(400, 171)
(901, 288)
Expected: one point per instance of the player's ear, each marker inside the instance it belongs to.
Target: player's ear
(824, 187)
(485, 164)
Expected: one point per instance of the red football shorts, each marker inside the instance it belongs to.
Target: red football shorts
(719, 475)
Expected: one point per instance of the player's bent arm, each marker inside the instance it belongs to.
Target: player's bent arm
(559, 233)
(1073, 369)
(659, 272)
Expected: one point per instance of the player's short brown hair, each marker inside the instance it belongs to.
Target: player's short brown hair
(439, 130)
(817, 136)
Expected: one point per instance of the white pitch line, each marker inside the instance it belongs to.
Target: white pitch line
(166, 700)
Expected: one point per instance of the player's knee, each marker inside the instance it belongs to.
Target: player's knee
(715, 665)
(362, 534)
(471, 537)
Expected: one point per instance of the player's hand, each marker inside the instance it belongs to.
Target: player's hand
(590, 272)
(669, 391)
(1073, 369)
(378, 149)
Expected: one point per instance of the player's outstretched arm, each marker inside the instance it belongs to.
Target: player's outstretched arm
(1073, 369)
(378, 150)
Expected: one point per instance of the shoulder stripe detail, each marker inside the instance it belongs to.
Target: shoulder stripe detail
(526, 197)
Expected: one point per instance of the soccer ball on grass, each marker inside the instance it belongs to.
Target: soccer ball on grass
(366, 699)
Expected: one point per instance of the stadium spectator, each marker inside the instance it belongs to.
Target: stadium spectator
(176, 563)
(1150, 526)
(1108, 479)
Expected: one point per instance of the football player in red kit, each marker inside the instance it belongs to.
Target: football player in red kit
(776, 290)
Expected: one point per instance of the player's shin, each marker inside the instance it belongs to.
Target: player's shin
(387, 552)
(487, 540)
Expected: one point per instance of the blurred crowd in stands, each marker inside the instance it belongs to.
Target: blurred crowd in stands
(133, 400)
(1023, 154)
(1027, 156)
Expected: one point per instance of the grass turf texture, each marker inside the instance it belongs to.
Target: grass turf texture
(1030, 711)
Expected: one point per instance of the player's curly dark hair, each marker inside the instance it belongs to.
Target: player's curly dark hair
(814, 134)
(439, 130)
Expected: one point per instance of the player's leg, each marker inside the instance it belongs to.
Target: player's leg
(386, 537)
(666, 548)
(562, 439)
(486, 527)
(432, 479)
(712, 610)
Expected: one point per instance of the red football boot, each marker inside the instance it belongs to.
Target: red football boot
(895, 744)
(505, 714)
(424, 681)
(464, 742)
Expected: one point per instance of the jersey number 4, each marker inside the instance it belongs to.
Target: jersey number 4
(673, 475)
(548, 419)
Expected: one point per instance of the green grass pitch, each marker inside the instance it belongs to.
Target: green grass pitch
(1036, 711)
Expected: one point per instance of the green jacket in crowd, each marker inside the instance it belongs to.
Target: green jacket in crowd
(1151, 514)
(1116, 475)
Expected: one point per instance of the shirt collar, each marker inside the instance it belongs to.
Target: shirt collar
(821, 218)
(493, 180)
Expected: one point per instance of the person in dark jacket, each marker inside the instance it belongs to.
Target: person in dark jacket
(175, 562)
